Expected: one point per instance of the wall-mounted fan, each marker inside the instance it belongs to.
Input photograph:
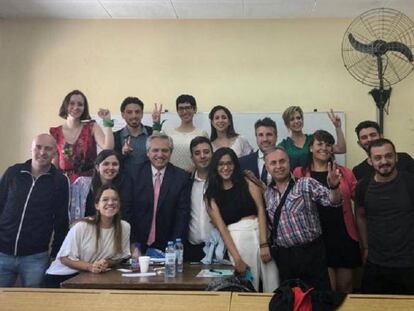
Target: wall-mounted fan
(377, 50)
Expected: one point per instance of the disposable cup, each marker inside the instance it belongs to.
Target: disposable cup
(144, 262)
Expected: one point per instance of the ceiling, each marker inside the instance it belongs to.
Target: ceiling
(194, 9)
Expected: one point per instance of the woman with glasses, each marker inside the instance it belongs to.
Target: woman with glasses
(235, 206)
(186, 108)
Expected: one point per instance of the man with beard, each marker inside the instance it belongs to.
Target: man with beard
(368, 131)
(385, 217)
(130, 140)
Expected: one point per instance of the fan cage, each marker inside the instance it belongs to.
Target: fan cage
(379, 24)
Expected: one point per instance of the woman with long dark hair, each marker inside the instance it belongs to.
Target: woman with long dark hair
(223, 133)
(106, 171)
(339, 231)
(79, 135)
(94, 243)
(235, 206)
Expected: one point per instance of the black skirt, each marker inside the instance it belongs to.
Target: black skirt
(341, 250)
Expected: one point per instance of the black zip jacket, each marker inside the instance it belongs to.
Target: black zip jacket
(32, 209)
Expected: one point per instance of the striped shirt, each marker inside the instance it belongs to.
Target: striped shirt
(299, 221)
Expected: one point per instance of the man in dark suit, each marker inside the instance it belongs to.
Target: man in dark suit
(161, 197)
(266, 138)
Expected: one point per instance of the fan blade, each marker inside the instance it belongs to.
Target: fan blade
(361, 47)
(400, 47)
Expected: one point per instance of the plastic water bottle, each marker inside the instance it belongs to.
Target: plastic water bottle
(179, 253)
(170, 260)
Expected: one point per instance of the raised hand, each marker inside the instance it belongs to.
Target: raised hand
(126, 148)
(104, 114)
(156, 113)
(334, 175)
(335, 119)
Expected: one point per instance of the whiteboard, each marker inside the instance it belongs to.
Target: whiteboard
(244, 124)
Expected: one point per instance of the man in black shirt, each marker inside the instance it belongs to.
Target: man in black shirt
(385, 219)
(368, 131)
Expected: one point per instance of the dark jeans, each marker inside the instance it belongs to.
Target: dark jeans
(386, 280)
(306, 262)
(30, 269)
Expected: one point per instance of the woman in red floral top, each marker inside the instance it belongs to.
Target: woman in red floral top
(78, 136)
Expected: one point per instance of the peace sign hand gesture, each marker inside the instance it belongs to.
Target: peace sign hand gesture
(156, 113)
(335, 119)
(334, 175)
(126, 148)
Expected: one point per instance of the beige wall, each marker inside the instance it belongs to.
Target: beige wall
(246, 65)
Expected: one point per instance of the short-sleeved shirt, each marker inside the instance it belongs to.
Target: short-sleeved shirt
(297, 155)
(181, 155)
(80, 245)
(390, 220)
(240, 146)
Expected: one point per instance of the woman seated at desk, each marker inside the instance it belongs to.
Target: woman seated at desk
(93, 244)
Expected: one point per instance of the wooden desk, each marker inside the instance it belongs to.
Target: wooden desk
(18, 299)
(377, 302)
(114, 280)
(260, 302)
(250, 301)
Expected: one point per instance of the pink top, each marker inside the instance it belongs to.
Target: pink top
(347, 187)
(76, 159)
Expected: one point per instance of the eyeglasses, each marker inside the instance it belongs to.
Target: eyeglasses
(228, 164)
(185, 108)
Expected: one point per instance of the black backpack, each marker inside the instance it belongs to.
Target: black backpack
(234, 283)
(284, 297)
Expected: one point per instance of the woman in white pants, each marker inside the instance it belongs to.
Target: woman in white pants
(235, 206)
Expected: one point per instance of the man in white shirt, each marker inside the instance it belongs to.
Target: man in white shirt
(200, 224)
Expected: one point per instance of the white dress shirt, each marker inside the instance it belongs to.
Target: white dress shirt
(200, 223)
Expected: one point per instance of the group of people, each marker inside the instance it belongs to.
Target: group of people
(285, 211)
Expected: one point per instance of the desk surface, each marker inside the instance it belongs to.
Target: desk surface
(18, 299)
(114, 280)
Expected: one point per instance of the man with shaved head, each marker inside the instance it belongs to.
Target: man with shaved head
(34, 200)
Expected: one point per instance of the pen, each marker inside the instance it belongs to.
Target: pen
(215, 271)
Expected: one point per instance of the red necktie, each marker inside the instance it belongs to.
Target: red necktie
(157, 187)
